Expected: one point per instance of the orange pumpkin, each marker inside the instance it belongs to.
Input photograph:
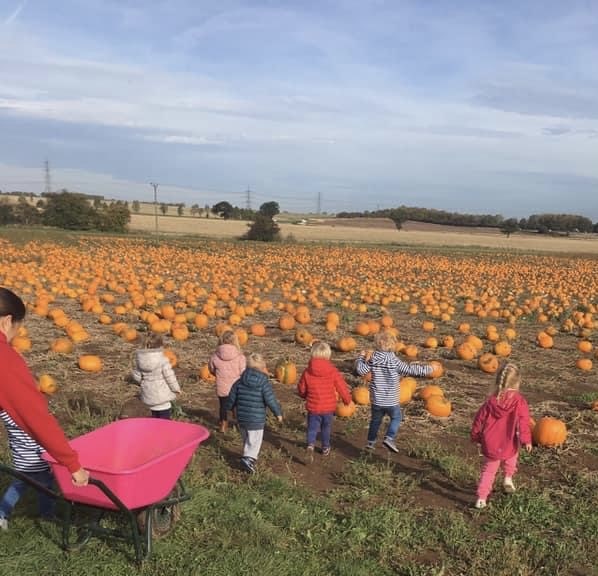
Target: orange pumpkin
(550, 432)
(544, 340)
(205, 374)
(584, 346)
(502, 348)
(47, 384)
(345, 410)
(346, 344)
(90, 363)
(488, 363)
(257, 329)
(303, 336)
(361, 395)
(437, 369)
(438, 406)
(286, 372)
(286, 322)
(62, 346)
(430, 390)
(172, 358)
(465, 351)
(21, 344)
(584, 364)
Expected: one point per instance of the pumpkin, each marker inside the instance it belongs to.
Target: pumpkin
(405, 391)
(362, 328)
(286, 372)
(205, 374)
(438, 406)
(474, 342)
(431, 342)
(179, 332)
(201, 321)
(361, 395)
(502, 348)
(286, 322)
(488, 363)
(430, 390)
(172, 358)
(257, 329)
(550, 432)
(21, 343)
(510, 334)
(62, 346)
(544, 340)
(465, 351)
(47, 384)
(303, 336)
(584, 346)
(409, 382)
(584, 364)
(345, 410)
(346, 344)
(448, 342)
(437, 369)
(594, 405)
(129, 334)
(411, 351)
(90, 363)
(428, 326)
(242, 335)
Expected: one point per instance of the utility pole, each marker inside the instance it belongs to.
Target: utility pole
(48, 181)
(319, 209)
(155, 187)
(248, 199)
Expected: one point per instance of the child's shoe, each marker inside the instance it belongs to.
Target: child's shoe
(389, 443)
(310, 452)
(248, 464)
(480, 504)
(223, 426)
(326, 451)
(508, 485)
(371, 445)
(3, 524)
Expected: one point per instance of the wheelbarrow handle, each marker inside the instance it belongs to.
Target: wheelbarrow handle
(28, 480)
(108, 493)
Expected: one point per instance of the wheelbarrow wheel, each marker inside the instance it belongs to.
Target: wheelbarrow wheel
(163, 517)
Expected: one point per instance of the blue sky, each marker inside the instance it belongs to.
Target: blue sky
(473, 106)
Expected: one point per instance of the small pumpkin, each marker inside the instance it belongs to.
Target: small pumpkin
(584, 364)
(172, 358)
(286, 322)
(47, 384)
(205, 374)
(286, 372)
(346, 344)
(437, 369)
(258, 329)
(90, 363)
(502, 348)
(430, 390)
(303, 336)
(438, 406)
(62, 346)
(488, 363)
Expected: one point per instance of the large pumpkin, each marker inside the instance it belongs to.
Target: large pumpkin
(437, 369)
(550, 432)
(286, 372)
(345, 410)
(62, 346)
(47, 384)
(90, 363)
(430, 390)
(361, 395)
(438, 406)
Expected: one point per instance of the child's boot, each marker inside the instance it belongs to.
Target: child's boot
(223, 426)
(508, 485)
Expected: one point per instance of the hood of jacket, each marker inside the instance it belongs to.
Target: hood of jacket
(253, 378)
(149, 359)
(227, 352)
(381, 358)
(320, 367)
(503, 407)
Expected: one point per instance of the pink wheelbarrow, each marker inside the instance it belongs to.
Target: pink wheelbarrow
(135, 468)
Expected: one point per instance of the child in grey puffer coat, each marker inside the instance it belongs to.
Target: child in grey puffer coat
(153, 372)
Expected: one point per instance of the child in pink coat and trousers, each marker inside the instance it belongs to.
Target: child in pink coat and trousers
(500, 426)
(227, 364)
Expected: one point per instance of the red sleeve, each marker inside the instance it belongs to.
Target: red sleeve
(478, 425)
(28, 408)
(525, 433)
(342, 388)
(302, 386)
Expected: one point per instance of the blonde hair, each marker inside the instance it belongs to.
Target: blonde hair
(385, 341)
(321, 349)
(507, 378)
(153, 341)
(256, 360)
(229, 337)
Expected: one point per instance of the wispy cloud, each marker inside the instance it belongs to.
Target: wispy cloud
(15, 13)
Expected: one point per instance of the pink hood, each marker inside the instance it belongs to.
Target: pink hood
(227, 363)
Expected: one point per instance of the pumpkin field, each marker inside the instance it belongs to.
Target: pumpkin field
(92, 299)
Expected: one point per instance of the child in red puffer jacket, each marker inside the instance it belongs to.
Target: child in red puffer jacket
(319, 385)
(500, 426)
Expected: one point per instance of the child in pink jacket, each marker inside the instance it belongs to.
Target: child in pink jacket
(501, 425)
(227, 364)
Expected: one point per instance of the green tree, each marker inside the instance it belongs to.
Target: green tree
(223, 209)
(68, 210)
(207, 210)
(270, 209)
(509, 226)
(113, 217)
(180, 208)
(263, 229)
(136, 206)
(195, 210)
(164, 208)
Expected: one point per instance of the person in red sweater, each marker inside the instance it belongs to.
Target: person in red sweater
(20, 398)
(319, 385)
(500, 426)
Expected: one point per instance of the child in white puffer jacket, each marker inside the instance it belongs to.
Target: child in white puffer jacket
(154, 373)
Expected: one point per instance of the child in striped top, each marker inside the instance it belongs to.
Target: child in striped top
(386, 370)
(27, 458)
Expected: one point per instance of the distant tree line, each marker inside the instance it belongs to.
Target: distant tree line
(542, 223)
(68, 210)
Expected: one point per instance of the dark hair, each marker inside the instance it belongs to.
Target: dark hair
(11, 305)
